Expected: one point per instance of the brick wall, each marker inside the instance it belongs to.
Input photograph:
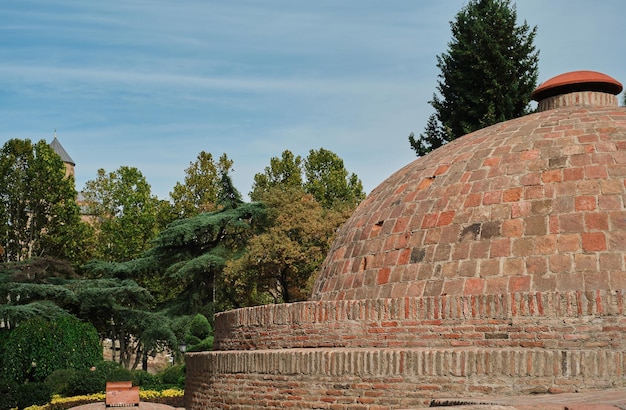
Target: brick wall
(569, 320)
(397, 353)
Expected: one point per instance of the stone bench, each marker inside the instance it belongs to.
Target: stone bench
(121, 394)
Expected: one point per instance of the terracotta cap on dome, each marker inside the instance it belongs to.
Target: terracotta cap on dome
(577, 81)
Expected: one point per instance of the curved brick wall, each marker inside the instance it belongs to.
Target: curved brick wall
(398, 353)
(531, 204)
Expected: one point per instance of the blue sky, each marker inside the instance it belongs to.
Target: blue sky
(150, 84)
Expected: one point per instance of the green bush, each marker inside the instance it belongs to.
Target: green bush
(8, 390)
(174, 375)
(29, 394)
(143, 379)
(119, 375)
(38, 347)
(200, 327)
(58, 381)
(86, 381)
(204, 345)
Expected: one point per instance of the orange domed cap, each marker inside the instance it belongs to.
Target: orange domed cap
(577, 81)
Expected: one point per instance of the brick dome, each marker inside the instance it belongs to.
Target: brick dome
(533, 204)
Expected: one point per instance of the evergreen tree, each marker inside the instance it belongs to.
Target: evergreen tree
(487, 74)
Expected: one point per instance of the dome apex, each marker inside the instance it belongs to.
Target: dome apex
(573, 81)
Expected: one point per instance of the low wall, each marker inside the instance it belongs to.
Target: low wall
(547, 320)
(399, 353)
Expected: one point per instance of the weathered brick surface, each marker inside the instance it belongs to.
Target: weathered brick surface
(538, 197)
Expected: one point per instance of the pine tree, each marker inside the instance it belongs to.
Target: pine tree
(486, 76)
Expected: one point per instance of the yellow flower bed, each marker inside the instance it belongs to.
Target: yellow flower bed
(143, 395)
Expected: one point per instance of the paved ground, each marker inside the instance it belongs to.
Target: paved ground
(613, 399)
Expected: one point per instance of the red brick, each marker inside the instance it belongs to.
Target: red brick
(593, 241)
(573, 174)
(596, 221)
(520, 209)
(492, 197)
(553, 175)
(442, 169)
(512, 228)
(585, 203)
(445, 218)
(512, 194)
(500, 248)
(473, 200)
(474, 286)
(596, 171)
(383, 276)
(519, 284)
(568, 243)
(491, 162)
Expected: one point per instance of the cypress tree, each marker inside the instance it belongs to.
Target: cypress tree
(486, 76)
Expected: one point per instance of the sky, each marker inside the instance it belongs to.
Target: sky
(152, 83)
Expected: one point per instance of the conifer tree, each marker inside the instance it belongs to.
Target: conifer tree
(486, 76)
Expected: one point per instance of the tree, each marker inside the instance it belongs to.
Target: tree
(124, 211)
(325, 177)
(38, 210)
(487, 74)
(281, 262)
(282, 172)
(328, 180)
(200, 191)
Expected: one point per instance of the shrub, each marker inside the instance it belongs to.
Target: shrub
(119, 375)
(29, 394)
(38, 347)
(8, 398)
(86, 381)
(143, 379)
(200, 327)
(174, 375)
(204, 345)
(58, 381)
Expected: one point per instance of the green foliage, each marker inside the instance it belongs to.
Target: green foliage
(124, 211)
(280, 262)
(201, 345)
(322, 174)
(86, 381)
(38, 212)
(143, 378)
(38, 347)
(200, 327)
(328, 180)
(487, 74)
(29, 394)
(120, 375)
(173, 375)
(8, 394)
(59, 380)
(202, 186)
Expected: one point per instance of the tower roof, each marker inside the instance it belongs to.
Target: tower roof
(58, 148)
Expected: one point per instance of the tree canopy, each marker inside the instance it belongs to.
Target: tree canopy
(38, 211)
(322, 174)
(487, 74)
(203, 181)
(124, 213)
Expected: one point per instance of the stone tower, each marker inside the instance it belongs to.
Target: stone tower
(65, 157)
